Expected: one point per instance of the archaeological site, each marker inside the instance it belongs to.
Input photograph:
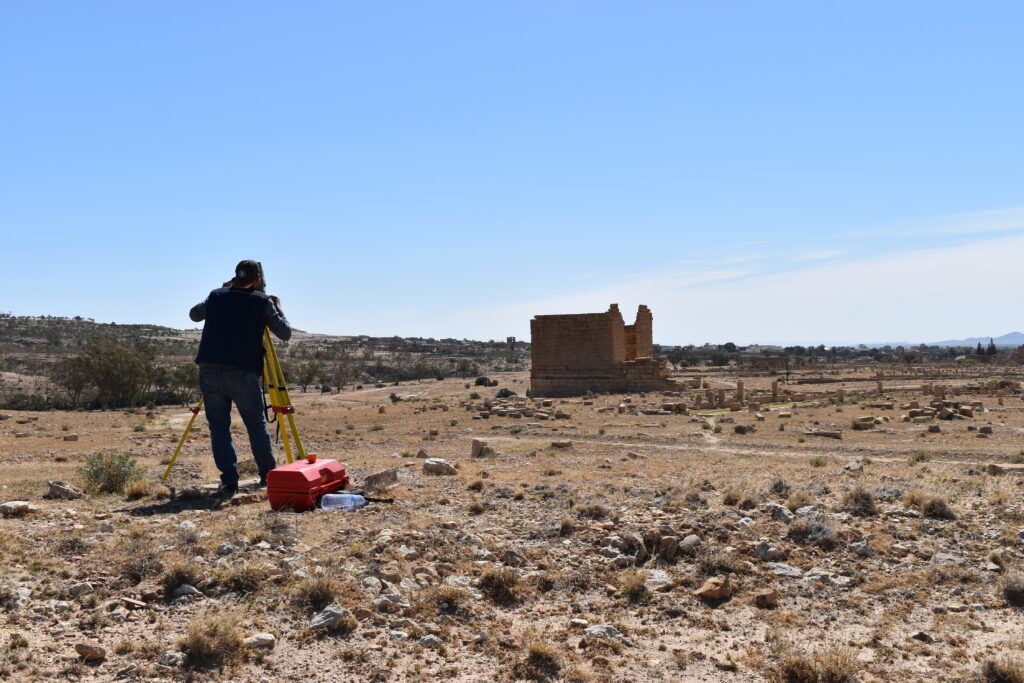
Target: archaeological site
(595, 352)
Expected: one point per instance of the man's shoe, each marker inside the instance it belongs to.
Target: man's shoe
(225, 492)
(263, 482)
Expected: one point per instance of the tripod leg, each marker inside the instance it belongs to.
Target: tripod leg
(181, 442)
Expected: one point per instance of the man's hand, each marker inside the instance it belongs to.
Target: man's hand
(275, 301)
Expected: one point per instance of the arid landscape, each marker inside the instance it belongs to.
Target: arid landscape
(598, 538)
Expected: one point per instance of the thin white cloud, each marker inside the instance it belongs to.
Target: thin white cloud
(820, 254)
(918, 295)
(996, 220)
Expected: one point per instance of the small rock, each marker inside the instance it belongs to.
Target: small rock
(91, 653)
(61, 490)
(431, 641)
(786, 570)
(186, 589)
(607, 631)
(658, 580)
(766, 599)
(779, 513)
(83, 588)
(767, 551)
(332, 617)
(16, 508)
(689, 545)
(225, 549)
(380, 481)
(513, 557)
(173, 659)
(922, 636)
(716, 588)
(862, 548)
(261, 640)
(438, 466)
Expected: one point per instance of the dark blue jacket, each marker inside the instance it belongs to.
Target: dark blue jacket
(233, 333)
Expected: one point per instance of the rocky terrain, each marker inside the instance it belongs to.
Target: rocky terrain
(592, 539)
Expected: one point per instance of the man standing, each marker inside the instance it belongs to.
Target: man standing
(230, 363)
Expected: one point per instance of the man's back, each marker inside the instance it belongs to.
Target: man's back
(233, 333)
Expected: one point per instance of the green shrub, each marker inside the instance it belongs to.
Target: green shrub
(109, 472)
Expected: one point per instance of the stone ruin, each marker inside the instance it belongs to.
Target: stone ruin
(595, 352)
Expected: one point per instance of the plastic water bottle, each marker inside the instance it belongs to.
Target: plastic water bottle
(342, 501)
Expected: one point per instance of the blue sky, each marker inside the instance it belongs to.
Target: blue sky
(755, 172)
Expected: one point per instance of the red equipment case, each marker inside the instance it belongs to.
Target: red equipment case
(299, 485)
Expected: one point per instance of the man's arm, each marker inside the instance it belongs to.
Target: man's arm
(198, 312)
(276, 321)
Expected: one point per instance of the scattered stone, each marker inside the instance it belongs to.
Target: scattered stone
(333, 617)
(862, 548)
(779, 513)
(606, 631)
(922, 636)
(786, 570)
(173, 659)
(716, 588)
(261, 640)
(561, 444)
(83, 588)
(187, 590)
(658, 580)
(381, 481)
(766, 599)
(71, 437)
(431, 641)
(17, 508)
(90, 653)
(766, 551)
(438, 466)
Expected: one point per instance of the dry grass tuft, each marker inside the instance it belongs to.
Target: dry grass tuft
(445, 599)
(780, 487)
(633, 585)
(1012, 588)
(316, 592)
(937, 508)
(178, 573)
(1002, 670)
(244, 578)
(139, 488)
(501, 585)
(712, 562)
(815, 532)
(476, 507)
(797, 500)
(594, 511)
(823, 666)
(541, 662)
(477, 485)
(212, 640)
(860, 501)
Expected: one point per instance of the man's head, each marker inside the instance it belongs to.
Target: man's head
(247, 274)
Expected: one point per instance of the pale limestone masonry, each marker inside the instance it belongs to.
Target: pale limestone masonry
(598, 352)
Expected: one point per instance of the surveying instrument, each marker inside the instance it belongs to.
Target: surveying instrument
(275, 386)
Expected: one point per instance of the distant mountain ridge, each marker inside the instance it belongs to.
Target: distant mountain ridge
(1008, 339)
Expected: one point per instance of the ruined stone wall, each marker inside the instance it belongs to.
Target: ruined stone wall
(574, 354)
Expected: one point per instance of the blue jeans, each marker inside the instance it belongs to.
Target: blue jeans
(222, 384)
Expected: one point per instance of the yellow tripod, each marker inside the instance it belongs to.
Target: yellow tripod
(280, 403)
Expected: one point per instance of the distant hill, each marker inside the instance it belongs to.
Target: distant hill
(1013, 339)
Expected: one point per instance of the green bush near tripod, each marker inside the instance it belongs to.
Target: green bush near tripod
(109, 472)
